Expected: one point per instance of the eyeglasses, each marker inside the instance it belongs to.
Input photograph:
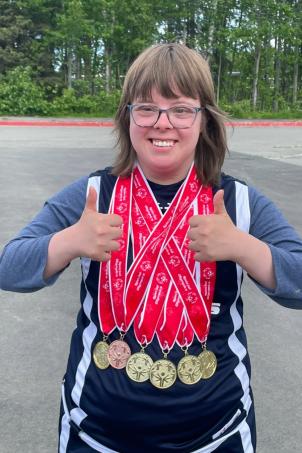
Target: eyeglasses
(147, 115)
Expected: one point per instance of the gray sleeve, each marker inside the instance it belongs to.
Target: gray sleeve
(269, 225)
(23, 259)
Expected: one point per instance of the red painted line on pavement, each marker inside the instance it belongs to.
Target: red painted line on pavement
(264, 123)
(60, 123)
(57, 123)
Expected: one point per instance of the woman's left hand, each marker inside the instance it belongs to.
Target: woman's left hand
(213, 237)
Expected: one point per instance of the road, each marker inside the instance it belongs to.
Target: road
(35, 328)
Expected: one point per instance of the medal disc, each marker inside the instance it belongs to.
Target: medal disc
(138, 366)
(118, 354)
(100, 355)
(163, 374)
(189, 369)
(208, 364)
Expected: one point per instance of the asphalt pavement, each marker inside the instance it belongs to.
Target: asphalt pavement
(36, 328)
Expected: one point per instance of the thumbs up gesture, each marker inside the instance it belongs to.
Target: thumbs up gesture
(213, 237)
(96, 235)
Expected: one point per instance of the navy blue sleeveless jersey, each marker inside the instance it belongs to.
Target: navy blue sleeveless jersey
(129, 417)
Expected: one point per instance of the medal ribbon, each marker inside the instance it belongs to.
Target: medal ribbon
(160, 288)
(145, 264)
(159, 247)
(193, 319)
(118, 263)
(112, 275)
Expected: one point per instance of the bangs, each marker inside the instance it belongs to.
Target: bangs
(163, 69)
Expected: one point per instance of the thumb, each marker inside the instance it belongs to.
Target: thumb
(91, 199)
(218, 201)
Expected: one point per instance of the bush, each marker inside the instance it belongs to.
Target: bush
(104, 104)
(20, 95)
(239, 109)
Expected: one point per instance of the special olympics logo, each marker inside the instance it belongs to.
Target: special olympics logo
(205, 198)
(145, 266)
(122, 208)
(106, 287)
(141, 193)
(118, 284)
(191, 298)
(207, 273)
(174, 261)
(161, 278)
(193, 186)
(140, 221)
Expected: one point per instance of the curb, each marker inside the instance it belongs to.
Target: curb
(75, 123)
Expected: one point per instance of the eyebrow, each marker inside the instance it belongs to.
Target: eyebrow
(179, 101)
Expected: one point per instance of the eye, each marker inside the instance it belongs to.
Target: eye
(182, 111)
(145, 108)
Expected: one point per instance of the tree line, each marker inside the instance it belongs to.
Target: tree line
(71, 56)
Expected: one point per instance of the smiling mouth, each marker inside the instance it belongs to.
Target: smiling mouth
(163, 143)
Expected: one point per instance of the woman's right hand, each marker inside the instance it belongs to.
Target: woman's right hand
(94, 236)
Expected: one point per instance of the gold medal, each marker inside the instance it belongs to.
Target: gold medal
(100, 355)
(163, 374)
(208, 364)
(189, 370)
(138, 366)
(118, 354)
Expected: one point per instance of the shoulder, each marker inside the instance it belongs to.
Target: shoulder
(105, 173)
(228, 182)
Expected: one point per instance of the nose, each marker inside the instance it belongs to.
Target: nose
(163, 121)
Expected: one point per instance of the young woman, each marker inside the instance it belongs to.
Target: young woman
(161, 235)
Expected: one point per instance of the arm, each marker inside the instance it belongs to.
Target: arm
(24, 258)
(65, 229)
(270, 226)
(271, 253)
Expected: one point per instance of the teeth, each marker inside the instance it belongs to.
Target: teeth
(163, 142)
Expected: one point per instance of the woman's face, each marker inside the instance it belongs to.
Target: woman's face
(165, 153)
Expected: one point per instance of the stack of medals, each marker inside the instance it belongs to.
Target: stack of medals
(164, 292)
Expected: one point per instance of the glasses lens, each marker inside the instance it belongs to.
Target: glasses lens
(144, 115)
(182, 117)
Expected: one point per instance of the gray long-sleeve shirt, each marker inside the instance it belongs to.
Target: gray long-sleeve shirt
(24, 258)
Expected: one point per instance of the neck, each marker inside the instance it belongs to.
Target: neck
(165, 178)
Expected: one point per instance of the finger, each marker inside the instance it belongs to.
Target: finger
(113, 246)
(193, 234)
(116, 233)
(198, 257)
(115, 220)
(194, 220)
(91, 200)
(194, 246)
(218, 201)
(105, 256)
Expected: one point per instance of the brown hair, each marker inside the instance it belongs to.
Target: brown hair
(166, 67)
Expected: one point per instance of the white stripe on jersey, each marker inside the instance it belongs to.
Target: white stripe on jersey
(242, 222)
(241, 428)
(243, 214)
(94, 181)
(90, 331)
(245, 434)
(64, 434)
(88, 336)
